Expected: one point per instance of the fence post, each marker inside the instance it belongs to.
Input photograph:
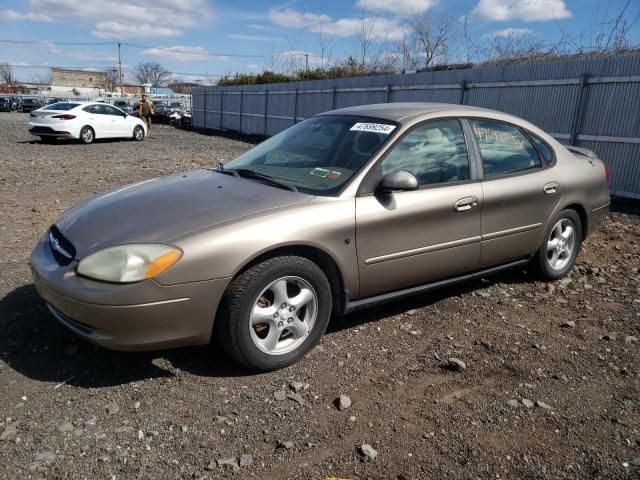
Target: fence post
(266, 110)
(577, 113)
(221, 97)
(333, 98)
(295, 106)
(463, 89)
(241, 97)
(204, 108)
(388, 93)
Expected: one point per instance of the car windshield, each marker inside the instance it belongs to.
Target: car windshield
(320, 155)
(62, 106)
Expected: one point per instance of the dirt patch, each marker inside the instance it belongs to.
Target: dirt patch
(72, 410)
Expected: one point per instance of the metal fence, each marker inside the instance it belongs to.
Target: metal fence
(131, 100)
(592, 103)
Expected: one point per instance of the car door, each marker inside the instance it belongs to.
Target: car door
(407, 238)
(520, 192)
(96, 119)
(117, 123)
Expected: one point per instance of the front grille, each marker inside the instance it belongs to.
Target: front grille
(63, 250)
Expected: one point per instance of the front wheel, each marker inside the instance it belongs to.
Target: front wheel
(274, 313)
(138, 133)
(562, 240)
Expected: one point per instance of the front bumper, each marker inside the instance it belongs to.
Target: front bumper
(137, 316)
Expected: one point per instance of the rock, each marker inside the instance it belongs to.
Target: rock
(125, 429)
(513, 403)
(629, 339)
(527, 403)
(483, 293)
(90, 422)
(296, 386)
(65, 427)
(46, 456)
(541, 404)
(343, 402)
(113, 408)
(368, 452)
(9, 434)
(456, 365)
(280, 395)
(246, 460)
(611, 337)
(486, 344)
(413, 311)
(568, 324)
(228, 463)
(296, 397)
(136, 405)
(406, 327)
(287, 445)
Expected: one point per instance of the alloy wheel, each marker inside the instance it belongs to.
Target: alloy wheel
(561, 244)
(283, 315)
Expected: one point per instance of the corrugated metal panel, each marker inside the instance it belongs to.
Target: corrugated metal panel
(606, 106)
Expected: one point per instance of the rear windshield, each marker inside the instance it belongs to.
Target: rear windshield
(62, 106)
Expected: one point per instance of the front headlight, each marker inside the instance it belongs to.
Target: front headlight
(129, 263)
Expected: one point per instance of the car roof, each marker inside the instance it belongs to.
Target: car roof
(402, 111)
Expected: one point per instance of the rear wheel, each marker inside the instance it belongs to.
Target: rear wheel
(138, 133)
(274, 313)
(558, 253)
(87, 135)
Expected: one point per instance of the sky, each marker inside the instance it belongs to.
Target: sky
(200, 39)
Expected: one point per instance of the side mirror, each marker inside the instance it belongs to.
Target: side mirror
(398, 181)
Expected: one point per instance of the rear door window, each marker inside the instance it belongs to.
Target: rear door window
(504, 148)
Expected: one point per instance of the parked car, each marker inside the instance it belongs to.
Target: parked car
(5, 104)
(160, 113)
(30, 104)
(345, 210)
(123, 105)
(178, 105)
(84, 121)
(15, 103)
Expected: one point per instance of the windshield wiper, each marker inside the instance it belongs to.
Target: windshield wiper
(248, 173)
(220, 169)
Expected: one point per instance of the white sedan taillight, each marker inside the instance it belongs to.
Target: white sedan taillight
(66, 116)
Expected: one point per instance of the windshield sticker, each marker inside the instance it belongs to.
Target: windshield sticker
(334, 175)
(373, 127)
(320, 172)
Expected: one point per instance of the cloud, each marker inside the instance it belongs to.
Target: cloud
(12, 16)
(509, 33)
(252, 38)
(525, 10)
(182, 54)
(378, 28)
(290, 18)
(122, 18)
(136, 30)
(403, 8)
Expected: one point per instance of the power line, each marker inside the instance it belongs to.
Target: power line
(47, 42)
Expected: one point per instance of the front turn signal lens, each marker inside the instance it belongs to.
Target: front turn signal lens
(162, 263)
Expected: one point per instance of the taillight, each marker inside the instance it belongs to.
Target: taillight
(66, 116)
(607, 173)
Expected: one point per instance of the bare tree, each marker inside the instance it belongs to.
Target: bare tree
(432, 34)
(505, 50)
(6, 74)
(112, 80)
(152, 73)
(325, 43)
(41, 79)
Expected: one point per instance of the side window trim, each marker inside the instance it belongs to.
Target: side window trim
(543, 160)
(366, 186)
(524, 132)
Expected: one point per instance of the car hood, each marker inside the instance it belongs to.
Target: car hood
(159, 210)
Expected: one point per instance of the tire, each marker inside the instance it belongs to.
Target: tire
(293, 315)
(138, 133)
(556, 257)
(87, 135)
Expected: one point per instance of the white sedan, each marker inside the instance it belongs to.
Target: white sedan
(84, 121)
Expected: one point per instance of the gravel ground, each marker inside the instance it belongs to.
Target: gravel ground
(550, 387)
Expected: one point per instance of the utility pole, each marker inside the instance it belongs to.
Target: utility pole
(120, 70)
(306, 63)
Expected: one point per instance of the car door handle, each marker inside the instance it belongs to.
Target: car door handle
(465, 204)
(551, 188)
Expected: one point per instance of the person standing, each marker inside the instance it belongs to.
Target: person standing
(144, 109)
